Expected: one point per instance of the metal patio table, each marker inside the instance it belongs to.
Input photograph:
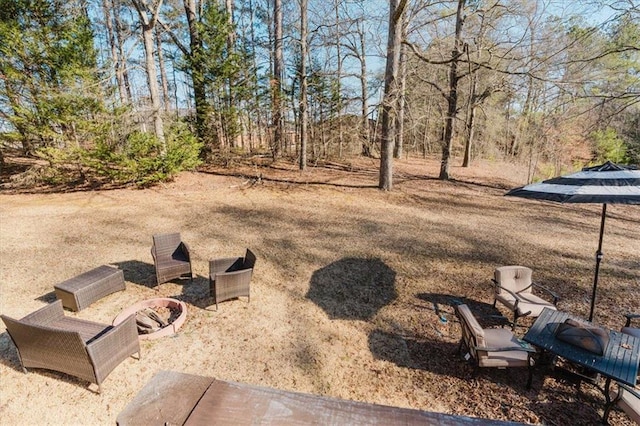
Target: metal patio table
(618, 363)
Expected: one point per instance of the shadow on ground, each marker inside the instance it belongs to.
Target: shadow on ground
(437, 350)
(138, 272)
(444, 307)
(47, 298)
(9, 353)
(353, 288)
(196, 293)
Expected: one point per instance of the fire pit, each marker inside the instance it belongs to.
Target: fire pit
(155, 318)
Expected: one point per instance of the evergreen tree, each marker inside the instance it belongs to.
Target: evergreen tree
(49, 91)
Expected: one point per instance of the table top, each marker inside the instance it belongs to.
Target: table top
(619, 361)
(167, 399)
(229, 403)
(184, 399)
(87, 278)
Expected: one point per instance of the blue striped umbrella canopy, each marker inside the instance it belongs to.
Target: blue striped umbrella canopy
(607, 183)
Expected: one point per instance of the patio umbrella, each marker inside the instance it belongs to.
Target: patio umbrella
(608, 183)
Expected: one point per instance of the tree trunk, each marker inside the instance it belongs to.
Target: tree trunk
(339, 78)
(122, 63)
(470, 124)
(231, 132)
(150, 65)
(364, 90)
(197, 72)
(278, 69)
(399, 146)
(396, 12)
(452, 97)
(107, 6)
(163, 71)
(304, 116)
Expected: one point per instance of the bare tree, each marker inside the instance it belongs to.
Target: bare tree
(163, 71)
(399, 145)
(107, 9)
(452, 97)
(276, 82)
(396, 13)
(304, 117)
(148, 18)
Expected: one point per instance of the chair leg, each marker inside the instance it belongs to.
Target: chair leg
(605, 416)
(515, 320)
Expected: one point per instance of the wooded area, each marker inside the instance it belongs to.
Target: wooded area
(134, 91)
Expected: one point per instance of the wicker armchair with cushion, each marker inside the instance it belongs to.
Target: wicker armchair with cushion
(492, 347)
(230, 277)
(88, 350)
(171, 257)
(514, 289)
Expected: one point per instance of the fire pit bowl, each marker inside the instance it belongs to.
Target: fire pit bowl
(161, 302)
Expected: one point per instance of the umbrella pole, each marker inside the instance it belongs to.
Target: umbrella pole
(598, 259)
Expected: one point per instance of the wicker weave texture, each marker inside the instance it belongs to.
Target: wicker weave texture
(81, 291)
(171, 257)
(230, 277)
(84, 349)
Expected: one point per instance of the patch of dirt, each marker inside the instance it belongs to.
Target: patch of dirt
(352, 294)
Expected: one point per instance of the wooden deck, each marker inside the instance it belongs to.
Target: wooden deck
(182, 399)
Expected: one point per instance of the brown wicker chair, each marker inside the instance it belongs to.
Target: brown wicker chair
(171, 257)
(229, 277)
(492, 347)
(88, 350)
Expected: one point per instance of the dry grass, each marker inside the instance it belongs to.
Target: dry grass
(348, 290)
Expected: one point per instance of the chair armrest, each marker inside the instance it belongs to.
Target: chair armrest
(108, 350)
(511, 292)
(629, 317)
(46, 315)
(217, 266)
(528, 349)
(624, 388)
(556, 298)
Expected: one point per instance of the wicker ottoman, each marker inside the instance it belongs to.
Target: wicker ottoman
(79, 292)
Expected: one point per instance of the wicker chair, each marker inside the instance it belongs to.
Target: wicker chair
(88, 350)
(229, 277)
(514, 289)
(492, 347)
(171, 257)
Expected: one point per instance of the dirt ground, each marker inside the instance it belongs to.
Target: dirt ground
(352, 292)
